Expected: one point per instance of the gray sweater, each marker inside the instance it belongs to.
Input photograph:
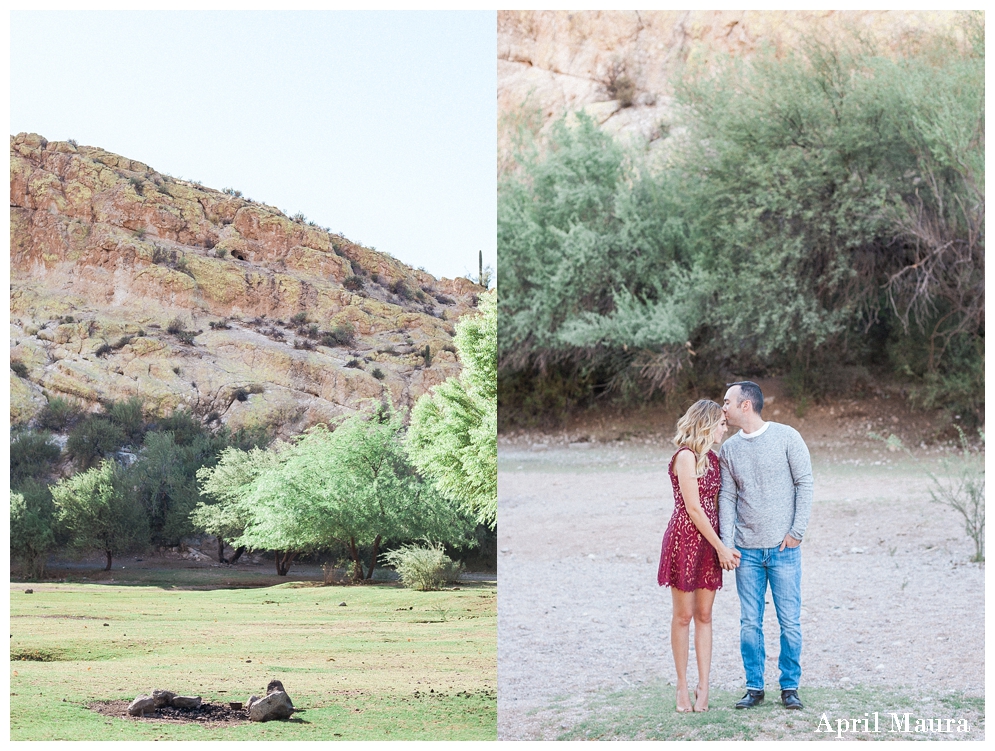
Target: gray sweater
(766, 487)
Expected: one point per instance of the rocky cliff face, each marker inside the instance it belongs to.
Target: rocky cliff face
(620, 66)
(126, 281)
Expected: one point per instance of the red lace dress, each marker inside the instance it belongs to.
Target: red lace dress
(688, 561)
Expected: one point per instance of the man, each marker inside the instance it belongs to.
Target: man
(764, 507)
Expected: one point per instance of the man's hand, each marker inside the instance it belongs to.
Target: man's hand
(789, 542)
(729, 558)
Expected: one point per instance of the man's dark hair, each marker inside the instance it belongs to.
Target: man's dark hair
(748, 390)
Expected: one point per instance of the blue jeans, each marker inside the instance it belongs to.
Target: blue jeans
(783, 571)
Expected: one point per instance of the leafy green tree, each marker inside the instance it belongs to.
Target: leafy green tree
(353, 485)
(99, 512)
(164, 477)
(226, 485)
(453, 434)
(31, 533)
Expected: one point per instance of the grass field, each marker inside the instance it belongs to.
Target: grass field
(390, 663)
(647, 713)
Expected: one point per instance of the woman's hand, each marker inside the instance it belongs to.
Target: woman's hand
(728, 557)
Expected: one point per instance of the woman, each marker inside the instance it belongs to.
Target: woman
(693, 555)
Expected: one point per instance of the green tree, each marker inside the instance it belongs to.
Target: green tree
(31, 534)
(452, 439)
(99, 512)
(353, 485)
(164, 477)
(227, 485)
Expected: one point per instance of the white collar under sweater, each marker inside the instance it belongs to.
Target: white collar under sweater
(755, 433)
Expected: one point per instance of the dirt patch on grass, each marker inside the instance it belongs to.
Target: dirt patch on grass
(205, 714)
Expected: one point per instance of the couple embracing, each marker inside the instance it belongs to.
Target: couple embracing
(744, 510)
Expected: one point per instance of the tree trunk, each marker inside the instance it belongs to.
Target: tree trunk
(108, 566)
(238, 553)
(221, 550)
(357, 565)
(276, 559)
(373, 557)
(283, 563)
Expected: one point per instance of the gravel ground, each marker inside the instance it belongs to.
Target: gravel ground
(889, 595)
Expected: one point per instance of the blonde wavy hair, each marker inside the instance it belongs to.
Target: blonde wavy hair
(694, 431)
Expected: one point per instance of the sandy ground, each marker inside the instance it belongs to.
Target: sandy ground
(889, 595)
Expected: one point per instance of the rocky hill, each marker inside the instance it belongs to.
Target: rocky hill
(126, 281)
(620, 66)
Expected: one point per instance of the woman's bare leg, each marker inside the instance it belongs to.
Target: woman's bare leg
(703, 599)
(679, 641)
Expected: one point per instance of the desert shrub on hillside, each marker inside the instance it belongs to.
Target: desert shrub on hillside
(59, 415)
(32, 456)
(127, 415)
(354, 283)
(341, 335)
(93, 438)
(19, 368)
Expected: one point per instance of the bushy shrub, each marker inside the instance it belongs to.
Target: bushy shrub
(59, 415)
(127, 415)
(400, 289)
(354, 283)
(175, 326)
(19, 368)
(342, 335)
(378, 374)
(832, 184)
(184, 426)
(32, 457)
(93, 438)
(424, 567)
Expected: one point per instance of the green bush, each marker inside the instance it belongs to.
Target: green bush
(19, 368)
(94, 438)
(425, 567)
(60, 414)
(378, 374)
(823, 202)
(342, 335)
(184, 426)
(127, 415)
(32, 457)
(354, 283)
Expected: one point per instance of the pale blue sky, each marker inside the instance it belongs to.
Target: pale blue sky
(379, 125)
